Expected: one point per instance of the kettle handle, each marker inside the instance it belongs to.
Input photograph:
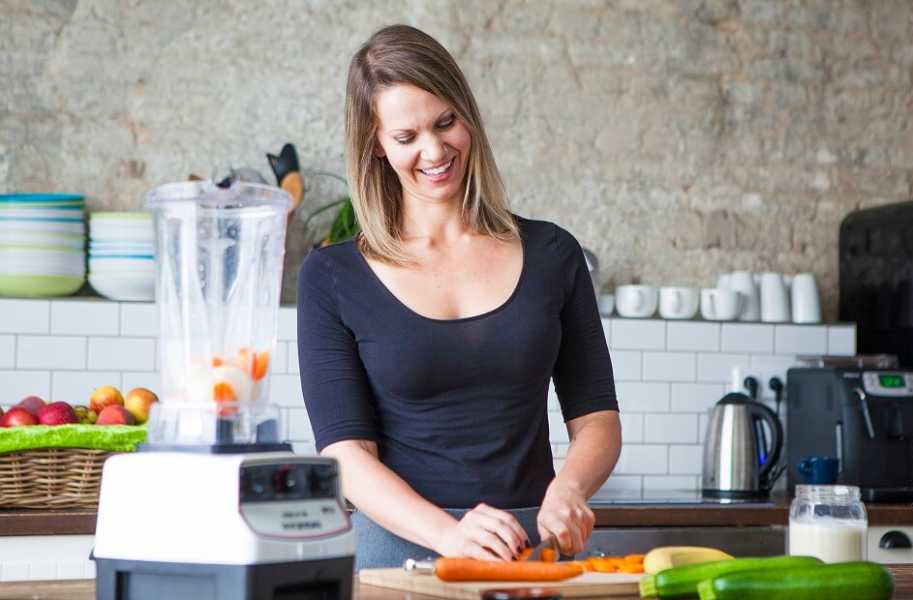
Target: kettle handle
(760, 411)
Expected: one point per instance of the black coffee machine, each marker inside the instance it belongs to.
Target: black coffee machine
(876, 279)
(863, 417)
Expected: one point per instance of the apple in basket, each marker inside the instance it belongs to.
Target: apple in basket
(17, 417)
(32, 404)
(114, 415)
(57, 413)
(106, 395)
(139, 402)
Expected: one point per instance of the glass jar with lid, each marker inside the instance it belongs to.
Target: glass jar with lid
(829, 522)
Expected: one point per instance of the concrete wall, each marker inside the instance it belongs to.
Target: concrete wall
(676, 138)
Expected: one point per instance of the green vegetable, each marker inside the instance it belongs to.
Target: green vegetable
(840, 581)
(345, 226)
(681, 582)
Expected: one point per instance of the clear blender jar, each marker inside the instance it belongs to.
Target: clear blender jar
(219, 270)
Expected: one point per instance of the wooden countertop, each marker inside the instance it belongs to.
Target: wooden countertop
(82, 521)
(84, 589)
(74, 521)
(716, 515)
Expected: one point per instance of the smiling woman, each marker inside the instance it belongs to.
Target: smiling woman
(427, 344)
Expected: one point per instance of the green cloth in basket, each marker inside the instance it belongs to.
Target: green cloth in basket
(114, 438)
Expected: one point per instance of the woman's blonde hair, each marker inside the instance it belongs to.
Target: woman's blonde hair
(400, 54)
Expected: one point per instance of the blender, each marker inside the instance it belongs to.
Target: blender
(215, 505)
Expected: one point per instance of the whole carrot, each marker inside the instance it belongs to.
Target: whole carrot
(469, 569)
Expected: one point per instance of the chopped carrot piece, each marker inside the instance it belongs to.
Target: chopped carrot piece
(217, 361)
(634, 558)
(631, 568)
(260, 365)
(524, 554)
(549, 555)
(223, 392)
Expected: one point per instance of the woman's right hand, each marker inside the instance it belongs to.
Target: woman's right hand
(485, 533)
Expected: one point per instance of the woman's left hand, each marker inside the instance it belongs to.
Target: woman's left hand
(565, 516)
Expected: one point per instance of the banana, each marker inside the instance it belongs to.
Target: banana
(667, 557)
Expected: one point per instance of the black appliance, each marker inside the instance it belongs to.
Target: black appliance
(876, 279)
(863, 417)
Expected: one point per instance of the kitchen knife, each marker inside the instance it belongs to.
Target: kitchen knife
(548, 546)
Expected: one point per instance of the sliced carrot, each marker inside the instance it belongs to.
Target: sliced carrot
(584, 566)
(260, 365)
(524, 554)
(631, 568)
(217, 361)
(549, 555)
(223, 392)
(604, 564)
(634, 558)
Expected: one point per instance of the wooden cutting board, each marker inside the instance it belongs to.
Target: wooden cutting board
(587, 584)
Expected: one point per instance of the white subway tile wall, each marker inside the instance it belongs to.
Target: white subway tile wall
(7, 351)
(668, 373)
(693, 336)
(85, 318)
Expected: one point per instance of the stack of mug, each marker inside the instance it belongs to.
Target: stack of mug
(742, 296)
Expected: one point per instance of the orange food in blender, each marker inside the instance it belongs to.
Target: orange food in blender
(260, 366)
(255, 364)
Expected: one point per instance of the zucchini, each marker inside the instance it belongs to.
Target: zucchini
(681, 582)
(838, 581)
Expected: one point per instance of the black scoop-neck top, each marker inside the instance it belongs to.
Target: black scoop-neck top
(458, 407)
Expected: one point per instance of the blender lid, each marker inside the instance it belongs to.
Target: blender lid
(240, 194)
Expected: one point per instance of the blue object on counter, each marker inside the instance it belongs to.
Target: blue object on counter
(819, 469)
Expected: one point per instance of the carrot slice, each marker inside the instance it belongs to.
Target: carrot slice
(217, 361)
(549, 555)
(524, 554)
(631, 568)
(223, 392)
(260, 365)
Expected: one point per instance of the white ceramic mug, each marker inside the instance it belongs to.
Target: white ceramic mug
(606, 304)
(635, 301)
(723, 281)
(744, 282)
(678, 302)
(806, 303)
(774, 299)
(721, 305)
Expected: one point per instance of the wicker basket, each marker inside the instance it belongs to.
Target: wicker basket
(51, 478)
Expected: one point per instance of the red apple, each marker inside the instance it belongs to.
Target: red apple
(16, 417)
(106, 395)
(114, 415)
(57, 413)
(32, 404)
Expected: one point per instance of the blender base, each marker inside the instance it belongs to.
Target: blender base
(322, 579)
(217, 448)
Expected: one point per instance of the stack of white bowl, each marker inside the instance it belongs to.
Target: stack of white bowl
(42, 245)
(122, 255)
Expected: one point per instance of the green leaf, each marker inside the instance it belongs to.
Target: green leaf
(345, 226)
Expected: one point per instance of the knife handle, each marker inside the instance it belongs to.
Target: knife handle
(419, 567)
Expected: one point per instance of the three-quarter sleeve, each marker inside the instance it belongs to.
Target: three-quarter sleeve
(583, 370)
(336, 393)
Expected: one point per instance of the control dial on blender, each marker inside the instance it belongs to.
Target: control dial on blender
(294, 499)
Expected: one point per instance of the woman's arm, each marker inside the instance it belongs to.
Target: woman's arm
(593, 453)
(484, 532)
